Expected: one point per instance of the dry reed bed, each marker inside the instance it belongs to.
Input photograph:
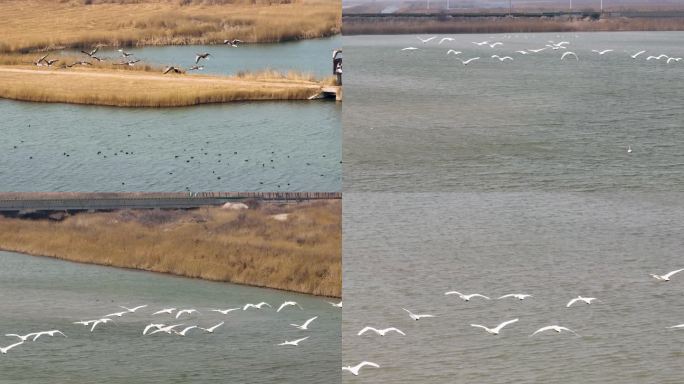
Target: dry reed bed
(399, 25)
(302, 254)
(33, 25)
(148, 87)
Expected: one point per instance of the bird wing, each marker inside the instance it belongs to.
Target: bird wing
(571, 302)
(478, 295)
(366, 363)
(7, 348)
(180, 313)
(672, 273)
(567, 329)
(300, 340)
(217, 325)
(505, 296)
(453, 293)
(397, 330)
(543, 329)
(421, 316)
(306, 324)
(361, 332)
(479, 326)
(283, 305)
(505, 323)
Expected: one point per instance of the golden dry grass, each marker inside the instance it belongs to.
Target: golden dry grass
(148, 87)
(371, 26)
(31, 25)
(302, 254)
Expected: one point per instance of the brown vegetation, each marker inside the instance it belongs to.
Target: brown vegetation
(301, 254)
(33, 25)
(409, 25)
(148, 87)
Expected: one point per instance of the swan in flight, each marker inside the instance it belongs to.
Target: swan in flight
(415, 316)
(481, 43)
(466, 62)
(336, 305)
(556, 328)
(409, 49)
(305, 326)
(150, 326)
(672, 327)
(165, 310)
(426, 40)
(536, 50)
(131, 310)
(22, 338)
(381, 332)
(569, 54)
(445, 39)
(586, 300)
(185, 331)
(167, 329)
(492, 45)
(502, 58)
(634, 56)
(212, 329)
(497, 329)
(7, 348)
(289, 304)
(188, 311)
(294, 342)
(100, 321)
(465, 297)
(225, 311)
(602, 52)
(519, 296)
(454, 52)
(667, 276)
(677, 59)
(49, 333)
(256, 306)
(355, 369)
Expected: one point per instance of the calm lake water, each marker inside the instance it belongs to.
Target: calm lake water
(257, 146)
(421, 121)
(43, 294)
(406, 250)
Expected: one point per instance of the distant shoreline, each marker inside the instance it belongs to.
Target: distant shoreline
(359, 24)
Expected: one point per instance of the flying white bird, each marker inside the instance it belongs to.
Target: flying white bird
(289, 304)
(536, 50)
(629, 149)
(651, 58)
(355, 369)
(185, 331)
(569, 54)
(602, 52)
(426, 40)
(502, 58)
(256, 306)
(495, 44)
(98, 322)
(465, 297)
(634, 56)
(673, 327)
(677, 59)
(225, 311)
(466, 62)
(294, 342)
(305, 326)
(165, 310)
(336, 305)
(133, 309)
(212, 329)
(481, 43)
(150, 326)
(49, 333)
(666, 277)
(117, 314)
(381, 332)
(167, 329)
(417, 317)
(409, 49)
(188, 311)
(22, 338)
(522, 52)
(519, 296)
(586, 300)
(662, 56)
(454, 52)
(85, 322)
(7, 348)
(445, 39)
(497, 329)
(556, 328)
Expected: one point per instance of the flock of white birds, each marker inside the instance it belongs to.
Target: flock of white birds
(551, 46)
(180, 328)
(495, 330)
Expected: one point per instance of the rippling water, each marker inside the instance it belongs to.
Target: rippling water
(281, 146)
(421, 121)
(42, 294)
(407, 249)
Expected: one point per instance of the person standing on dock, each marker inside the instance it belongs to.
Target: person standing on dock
(337, 65)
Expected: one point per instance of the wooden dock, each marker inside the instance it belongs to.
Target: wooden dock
(332, 92)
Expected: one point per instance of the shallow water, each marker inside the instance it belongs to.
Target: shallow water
(421, 121)
(42, 294)
(406, 250)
